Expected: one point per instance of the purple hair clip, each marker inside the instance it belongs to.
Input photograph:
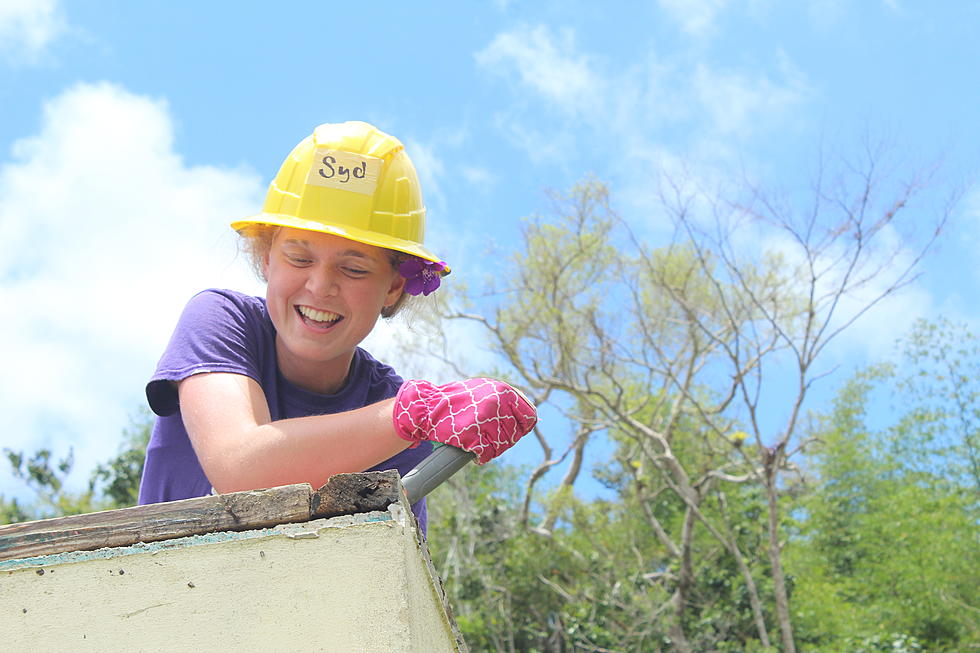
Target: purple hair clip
(422, 277)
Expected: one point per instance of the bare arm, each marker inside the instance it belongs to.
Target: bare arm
(241, 448)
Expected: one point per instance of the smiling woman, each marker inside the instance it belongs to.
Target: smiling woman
(257, 392)
(324, 295)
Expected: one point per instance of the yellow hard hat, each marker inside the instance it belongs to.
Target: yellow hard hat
(352, 180)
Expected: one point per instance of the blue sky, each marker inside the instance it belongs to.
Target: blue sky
(131, 133)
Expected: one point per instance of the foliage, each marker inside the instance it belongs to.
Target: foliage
(596, 582)
(118, 480)
(877, 561)
(889, 543)
(673, 353)
(46, 477)
(12, 512)
(113, 484)
(586, 586)
(935, 381)
(891, 643)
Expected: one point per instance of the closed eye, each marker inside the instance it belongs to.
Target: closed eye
(355, 272)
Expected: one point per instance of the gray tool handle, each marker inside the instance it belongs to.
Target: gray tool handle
(440, 465)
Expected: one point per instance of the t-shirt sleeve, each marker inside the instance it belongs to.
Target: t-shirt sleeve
(215, 333)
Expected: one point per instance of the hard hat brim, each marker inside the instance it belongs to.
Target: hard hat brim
(350, 233)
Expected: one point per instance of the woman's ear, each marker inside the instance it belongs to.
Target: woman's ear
(395, 290)
(267, 260)
(267, 257)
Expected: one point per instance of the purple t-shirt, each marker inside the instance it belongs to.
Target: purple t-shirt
(226, 331)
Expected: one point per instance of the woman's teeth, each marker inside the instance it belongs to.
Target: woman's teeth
(318, 316)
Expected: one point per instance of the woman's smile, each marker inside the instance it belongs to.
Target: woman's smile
(324, 295)
(318, 319)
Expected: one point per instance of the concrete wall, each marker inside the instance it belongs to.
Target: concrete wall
(353, 583)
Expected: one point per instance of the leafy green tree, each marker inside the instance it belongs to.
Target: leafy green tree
(935, 381)
(889, 542)
(118, 480)
(11, 511)
(675, 352)
(113, 484)
(579, 587)
(45, 475)
(596, 580)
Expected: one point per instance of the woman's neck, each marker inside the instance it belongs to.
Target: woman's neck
(321, 377)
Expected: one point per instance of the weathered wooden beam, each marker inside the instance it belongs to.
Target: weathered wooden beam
(237, 511)
(345, 494)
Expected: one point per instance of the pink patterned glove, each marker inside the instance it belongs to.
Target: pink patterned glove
(483, 416)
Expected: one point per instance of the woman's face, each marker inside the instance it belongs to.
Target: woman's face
(325, 294)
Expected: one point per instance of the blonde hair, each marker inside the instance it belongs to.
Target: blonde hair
(256, 244)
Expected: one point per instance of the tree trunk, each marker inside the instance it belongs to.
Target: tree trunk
(743, 568)
(684, 582)
(775, 559)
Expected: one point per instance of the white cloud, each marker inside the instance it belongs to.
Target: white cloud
(883, 313)
(696, 17)
(751, 226)
(107, 233)
(658, 117)
(826, 13)
(27, 27)
(543, 64)
(891, 314)
(830, 14)
(480, 177)
(629, 107)
(735, 102)
(549, 64)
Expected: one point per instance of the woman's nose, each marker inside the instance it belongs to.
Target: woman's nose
(322, 283)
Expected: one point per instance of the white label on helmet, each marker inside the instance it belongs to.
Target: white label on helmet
(345, 170)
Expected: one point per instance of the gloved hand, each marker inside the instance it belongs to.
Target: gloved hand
(483, 416)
